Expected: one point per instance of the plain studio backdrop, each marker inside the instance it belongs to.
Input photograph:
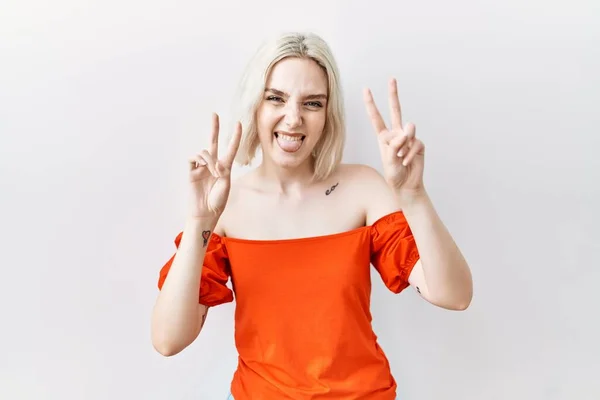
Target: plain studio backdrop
(102, 102)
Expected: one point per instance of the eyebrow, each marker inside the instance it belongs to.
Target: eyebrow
(309, 97)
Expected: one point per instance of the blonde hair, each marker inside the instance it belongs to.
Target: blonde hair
(329, 150)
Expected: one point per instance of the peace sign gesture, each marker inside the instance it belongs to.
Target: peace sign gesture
(210, 176)
(402, 153)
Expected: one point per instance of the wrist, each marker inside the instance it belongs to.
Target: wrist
(199, 230)
(410, 199)
(200, 224)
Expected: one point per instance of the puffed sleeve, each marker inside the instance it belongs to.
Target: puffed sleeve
(215, 273)
(394, 252)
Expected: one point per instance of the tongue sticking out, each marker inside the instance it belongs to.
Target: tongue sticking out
(288, 145)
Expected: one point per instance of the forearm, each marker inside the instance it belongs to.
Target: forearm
(176, 318)
(447, 274)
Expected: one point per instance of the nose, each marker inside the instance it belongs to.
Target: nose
(293, 117)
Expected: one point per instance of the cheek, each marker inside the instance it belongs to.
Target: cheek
(267, 116)
(317, 122)
(263, 123)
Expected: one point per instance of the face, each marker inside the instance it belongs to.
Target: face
(291, 116)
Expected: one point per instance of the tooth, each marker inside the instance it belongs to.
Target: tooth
(290, 138)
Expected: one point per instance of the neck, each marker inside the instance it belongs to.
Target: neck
(284, 180)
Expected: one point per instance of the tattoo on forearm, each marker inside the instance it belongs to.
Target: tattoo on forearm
(418, 290)
(205, 236)
(328, 191)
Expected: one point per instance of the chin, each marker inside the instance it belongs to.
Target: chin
(287, 160)
(287, 163)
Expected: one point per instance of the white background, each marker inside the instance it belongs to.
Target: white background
(102, 102)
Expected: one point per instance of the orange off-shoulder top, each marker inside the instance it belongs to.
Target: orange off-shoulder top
(302, 317)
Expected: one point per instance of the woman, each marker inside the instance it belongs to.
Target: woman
(297, 234)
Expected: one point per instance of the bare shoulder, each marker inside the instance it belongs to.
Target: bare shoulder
(370, 187)
(229, 213)
(358, 172)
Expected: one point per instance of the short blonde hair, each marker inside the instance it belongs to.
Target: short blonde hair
(328, 151)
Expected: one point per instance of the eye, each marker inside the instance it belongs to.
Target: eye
(275, 98)
(315, 104)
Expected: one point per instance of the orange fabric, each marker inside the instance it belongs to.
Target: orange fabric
(302, 319)
(215, 273)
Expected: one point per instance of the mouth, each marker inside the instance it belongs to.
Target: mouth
(289, 142)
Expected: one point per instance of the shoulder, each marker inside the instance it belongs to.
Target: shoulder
(239, 189)
(371, 189)
(358, 172)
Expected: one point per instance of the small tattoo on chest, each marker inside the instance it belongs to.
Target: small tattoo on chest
(328, 191)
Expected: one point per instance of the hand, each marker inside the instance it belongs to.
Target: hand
(210, 177)
(403, 155)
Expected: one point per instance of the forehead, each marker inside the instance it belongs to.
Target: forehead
(298, 76)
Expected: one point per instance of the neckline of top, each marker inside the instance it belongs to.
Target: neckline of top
(392, 215)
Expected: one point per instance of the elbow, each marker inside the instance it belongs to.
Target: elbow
(463, 297)
(454, 303)
(168, 343)
(166, 351)
(454, 306)
(463, 303)
(460, 306)
(166, 348)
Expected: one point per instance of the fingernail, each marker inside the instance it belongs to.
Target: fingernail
(400, 153)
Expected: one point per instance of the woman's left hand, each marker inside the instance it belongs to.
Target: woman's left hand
(402, 153)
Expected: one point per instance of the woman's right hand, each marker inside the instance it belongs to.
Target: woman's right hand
(210, 176)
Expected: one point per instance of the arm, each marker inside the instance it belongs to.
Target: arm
(177, 318)
(441, 276)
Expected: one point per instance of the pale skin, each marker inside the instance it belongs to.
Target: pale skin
(278, 200)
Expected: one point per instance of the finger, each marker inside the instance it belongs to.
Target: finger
(234, 145)
(395, 110)
(386, 137)
(402, 151)
(373, 112)
(195, 162)
(398, 142)
(214, 136)
(410, 130)
(211, 162)
(409, 134)
(222, 170)
(415, 149)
